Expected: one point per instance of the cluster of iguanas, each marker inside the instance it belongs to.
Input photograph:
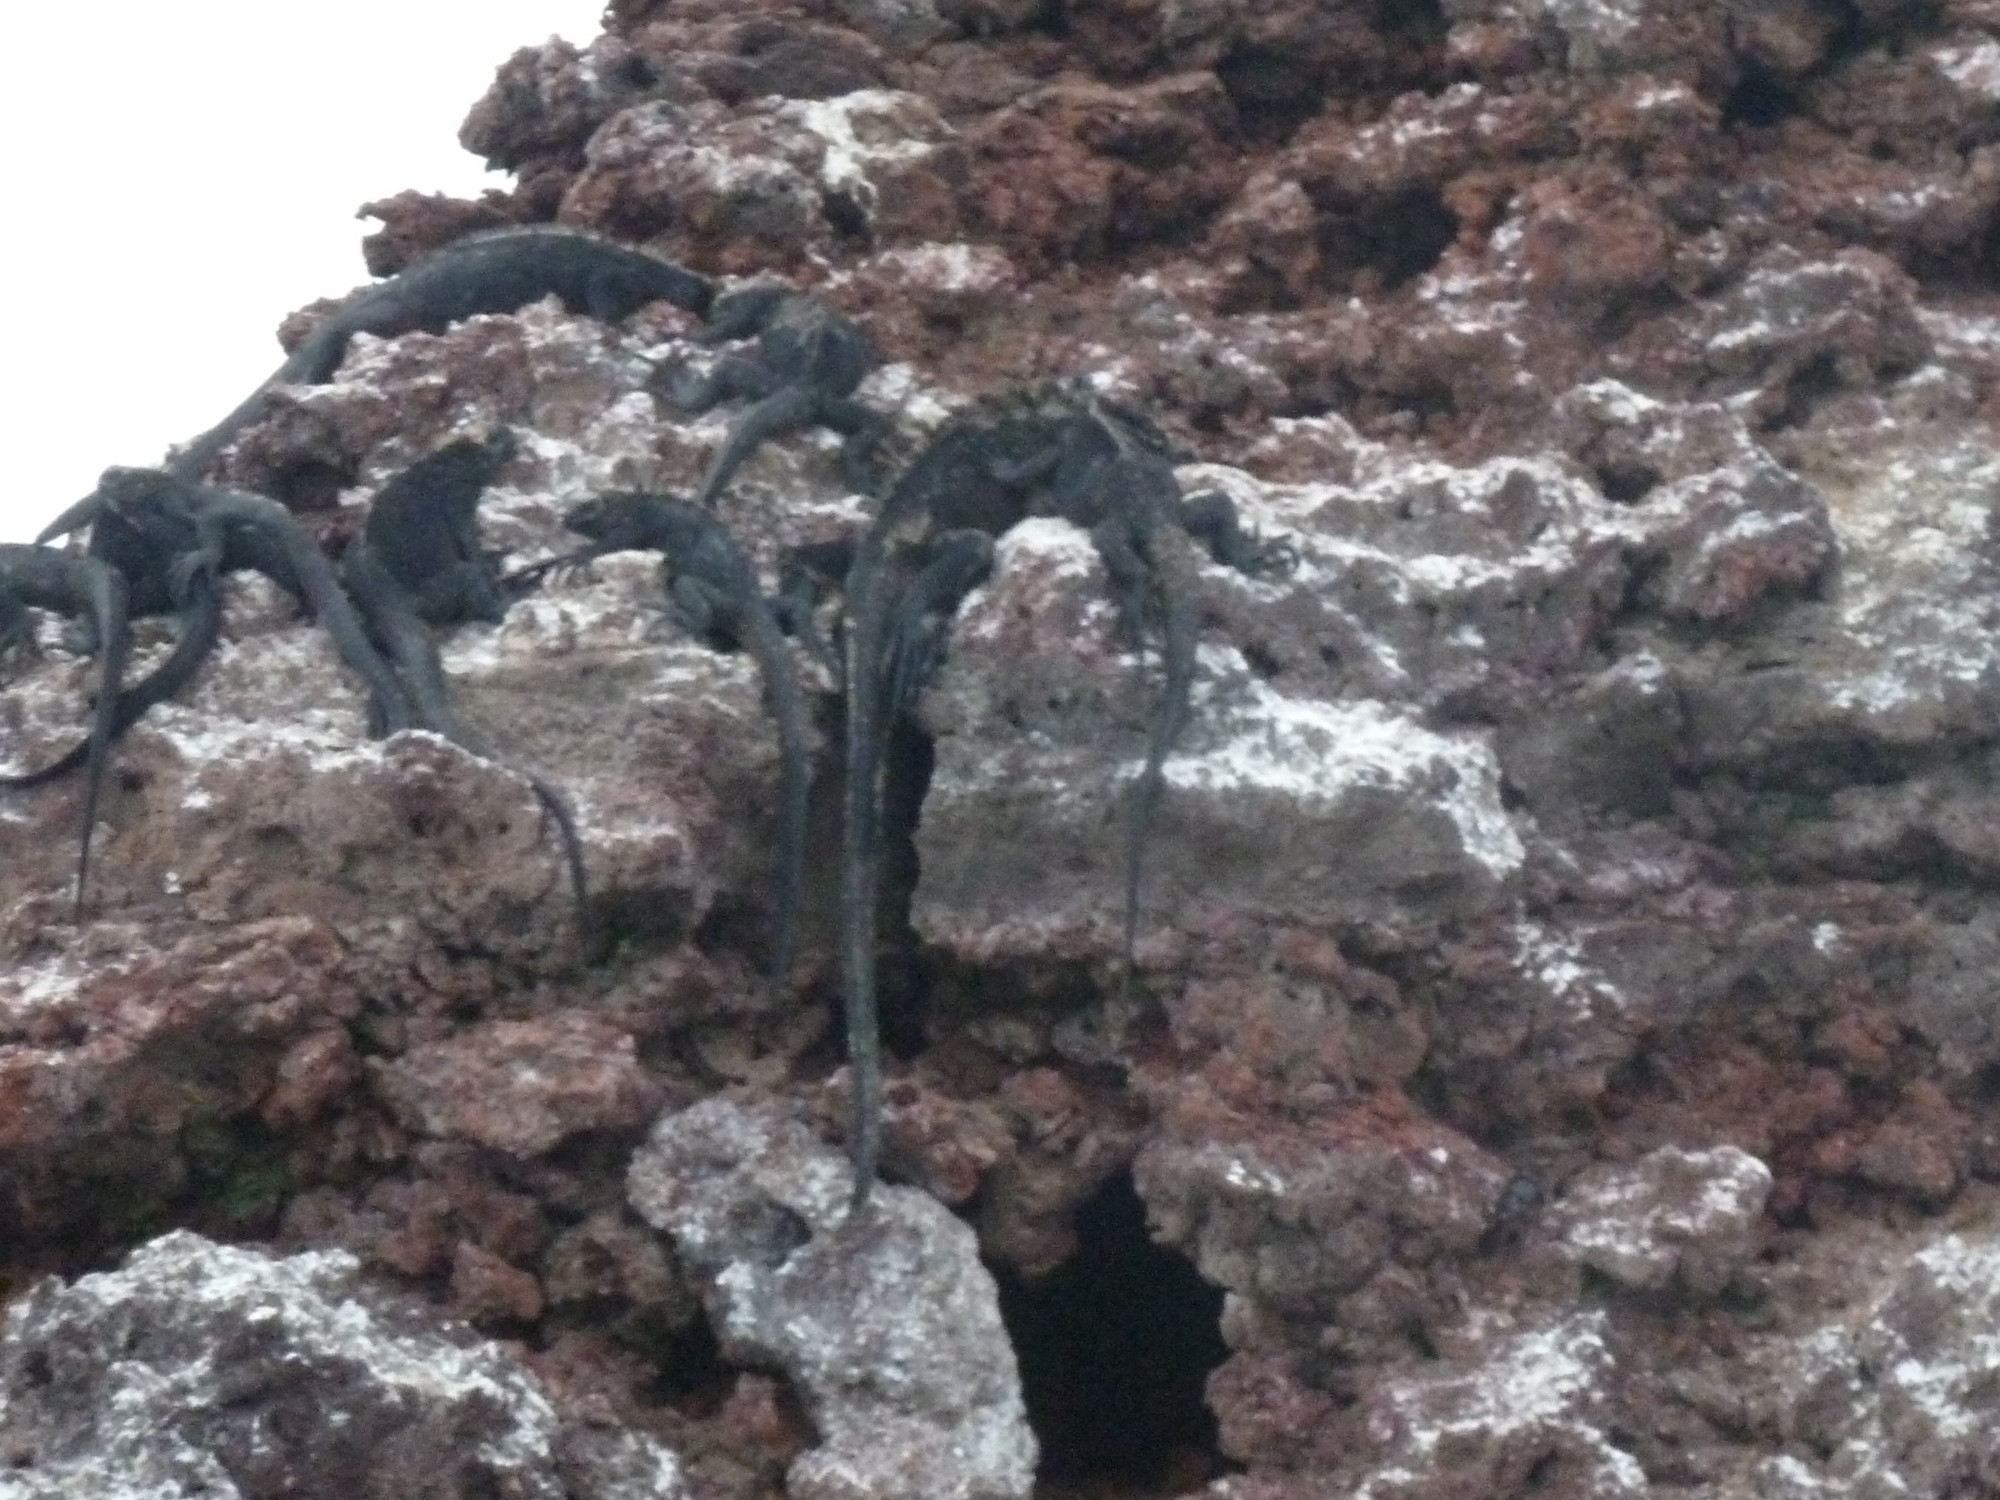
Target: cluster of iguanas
(161, 539)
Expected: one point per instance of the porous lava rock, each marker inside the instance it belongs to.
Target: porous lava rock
(1561, 1048)
(206, 1369)
(885, 1321)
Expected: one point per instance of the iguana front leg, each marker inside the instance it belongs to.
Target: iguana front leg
(785, 410)
(1211, 519)
(960, 562)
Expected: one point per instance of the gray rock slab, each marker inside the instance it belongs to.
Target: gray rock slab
(887, 1323)
(204, 1369)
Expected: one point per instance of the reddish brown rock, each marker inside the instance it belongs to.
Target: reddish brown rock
(521, 1087)
(109, 1068)
(1605, 801)
(415, 224)
(488, 1293)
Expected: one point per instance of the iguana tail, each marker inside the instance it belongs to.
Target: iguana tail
(313, 362)
(200, 628)
(411, 646)
(557, 807)
(788, 707)
(113, 641)
(1176, 583)
(335, 612)
(861, 853)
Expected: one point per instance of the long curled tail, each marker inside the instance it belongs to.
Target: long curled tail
(200, 628)
(788, 707)
(114, 641)
(860, 855)
(1175, 582)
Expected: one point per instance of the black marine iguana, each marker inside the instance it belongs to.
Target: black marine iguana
(149, 514)
(154, 549)
(1110, 470)
(47, 579)
(497, 271)
(714, 594)
(1097, 464)
(198, 630)
(962, 481)
(169, 540)
(806, 364)
(418, 560)
(423, 527)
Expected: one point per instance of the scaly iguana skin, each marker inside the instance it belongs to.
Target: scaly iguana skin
(163, 533)
(713, 589)
(423, 527)
(1102, 466)
(418, 559)
(498, 271)
(961, 481)
(1111, 471)
(807, 361)
(47, 579)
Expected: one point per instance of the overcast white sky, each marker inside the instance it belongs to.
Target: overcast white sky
(181, 176)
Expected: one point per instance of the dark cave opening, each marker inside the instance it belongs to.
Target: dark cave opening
(1116, 1346)
(1760, 99)
(1395, 240)
(1272, 92)
(689, 1374)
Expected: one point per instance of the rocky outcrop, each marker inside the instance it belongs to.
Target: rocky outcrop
(200, 1369)
(886, 1324)
(1561, 1052)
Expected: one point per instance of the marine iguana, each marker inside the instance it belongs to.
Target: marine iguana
(47, 579)
(199, 628)
(1110, 470)
(497, 271)
(163, 532)
(964, 479)
(1100, 465)
(415, 564)
(807, 361)
(423, 527)
(169, 540)
(713, 591)
(151, 538)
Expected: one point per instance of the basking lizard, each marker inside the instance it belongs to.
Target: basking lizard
(498, 271)
(713, 591)
(423, 527)
(418, 563)
(164, 532)
(1109, 470)
(962, 480)
(803, 369)
(47, 579)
